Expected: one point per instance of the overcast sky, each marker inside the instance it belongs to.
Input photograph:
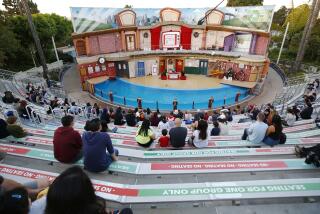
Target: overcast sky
(61, 7)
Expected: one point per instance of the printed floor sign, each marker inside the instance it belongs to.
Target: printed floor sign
(172, 167)
(186, 191)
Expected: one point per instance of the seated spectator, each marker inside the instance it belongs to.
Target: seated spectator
(254, 112)
(66, 102)
(142, 115)
(67, 143)
(171, 116)
(223, 125)
(306, 113)
(257, 131)
(95, 144)
(105, 115)
(312, 154)
(163, 124)
(187, 117)
(180, 114)
(199, 115)
(271, 115)
(290, 117)
(137, 114)
(302, 152)
(9, 98)
(111, 112)
(96, 110)
(178, 135)
(164, 139)
(148, 114)
(274, 132)
(154, 120)
(74, 109)
(88, 110)
(206, 116)
(14, 129)
(33, 187)
(215, 116)
(131, 118)
(145, 135)
(72, 192)
(24, 110)
(200, 136)
(296, 112)
(229, 116)
(215, 131)
(266, 115)
(118, 117)
(3, 129)
(15, 201)
(104, 127)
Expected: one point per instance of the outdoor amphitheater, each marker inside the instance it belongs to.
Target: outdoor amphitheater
(169, 66)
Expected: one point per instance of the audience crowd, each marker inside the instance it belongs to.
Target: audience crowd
(73, 192)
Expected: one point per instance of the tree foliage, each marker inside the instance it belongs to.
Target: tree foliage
(279, 16)
(298, 18)
(47, 25)
(236, 3)
(12, 7)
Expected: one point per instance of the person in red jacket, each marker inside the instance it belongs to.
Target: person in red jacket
(67, 143)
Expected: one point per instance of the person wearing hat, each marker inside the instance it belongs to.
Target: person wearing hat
(224, 129)
(14, 129)
(15, 201)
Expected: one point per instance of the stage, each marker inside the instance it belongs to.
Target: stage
(192, 82)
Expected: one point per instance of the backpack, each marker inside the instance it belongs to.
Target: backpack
(282, 138)
(317, 121)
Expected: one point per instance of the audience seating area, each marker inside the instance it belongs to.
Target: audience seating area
(228, 172)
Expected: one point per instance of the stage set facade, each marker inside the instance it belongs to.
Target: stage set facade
(171, 49)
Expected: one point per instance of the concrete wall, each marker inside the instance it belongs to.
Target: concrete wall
(216, 38)
(148, 65)
(191, 63)
(132, 68)
(145, 43)
(196, 43)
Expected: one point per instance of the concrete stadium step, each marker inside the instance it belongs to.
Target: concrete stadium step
(208, 191)
(132, 131)
(304, 134)
(160, 168)
(178, 154)
(34, 140)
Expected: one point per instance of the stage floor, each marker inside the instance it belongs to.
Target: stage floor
(192, 82)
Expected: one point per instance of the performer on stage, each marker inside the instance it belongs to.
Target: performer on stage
(111, 96)
(224, 100)
(139, 101)
(210, 102)
(175, 104)
(237, 97)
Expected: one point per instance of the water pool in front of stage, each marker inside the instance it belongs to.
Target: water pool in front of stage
(164, 96)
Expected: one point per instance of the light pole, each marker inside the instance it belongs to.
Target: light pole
(36, 39)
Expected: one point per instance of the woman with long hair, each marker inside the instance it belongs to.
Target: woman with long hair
(105, 115)
(73, 192)
(201, 135)
(118, 117)
(145, 135)
(154, 119)
(274, 131)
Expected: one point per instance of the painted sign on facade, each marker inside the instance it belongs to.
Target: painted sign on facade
(86, 19)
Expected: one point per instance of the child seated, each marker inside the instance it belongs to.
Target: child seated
(164, 139)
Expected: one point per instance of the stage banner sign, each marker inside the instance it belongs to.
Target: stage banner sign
(87, 19)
